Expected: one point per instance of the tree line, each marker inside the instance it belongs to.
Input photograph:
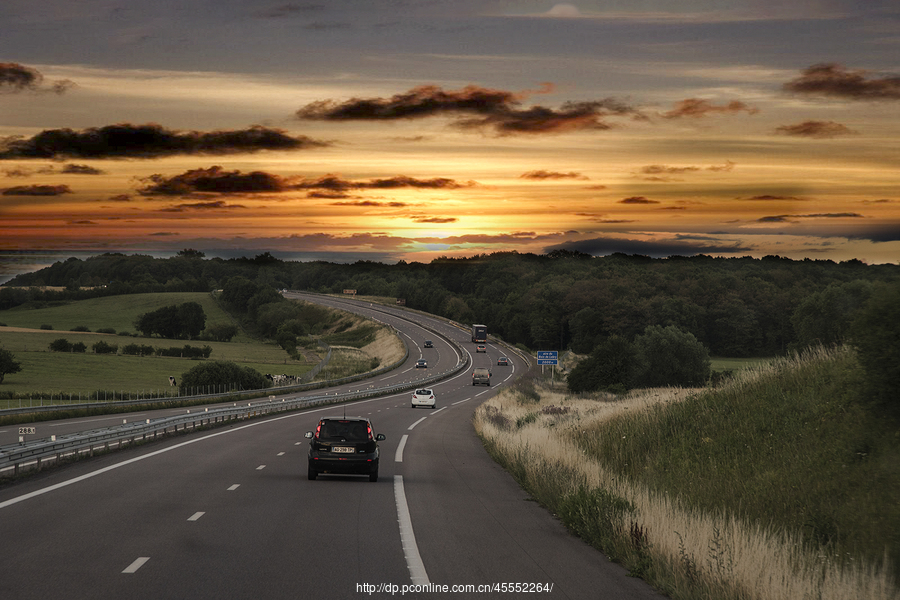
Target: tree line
(732, 307)
(563, 300)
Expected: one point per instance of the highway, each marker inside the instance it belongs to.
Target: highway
(229, 512)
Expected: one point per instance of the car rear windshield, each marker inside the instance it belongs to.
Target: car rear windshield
(423, 392)
(352, 431)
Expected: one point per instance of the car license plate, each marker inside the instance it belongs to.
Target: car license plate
(343, 449)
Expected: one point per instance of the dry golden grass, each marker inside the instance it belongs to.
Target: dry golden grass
(387, 347)
(693, 555)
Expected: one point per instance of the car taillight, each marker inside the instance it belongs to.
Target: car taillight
(318, 429)
(371, 437)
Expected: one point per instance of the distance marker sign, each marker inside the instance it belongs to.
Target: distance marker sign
(548, 357)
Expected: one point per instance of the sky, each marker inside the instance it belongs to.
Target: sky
(347, 130)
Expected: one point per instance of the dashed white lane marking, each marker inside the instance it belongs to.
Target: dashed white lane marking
(416, 423)
(398, 456)
(407, 537)
(234, 487)
(136, 564)
(281, 454)
(260, 467)
(196, 516)
(461, 401)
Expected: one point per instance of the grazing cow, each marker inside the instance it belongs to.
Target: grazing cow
(172, 380)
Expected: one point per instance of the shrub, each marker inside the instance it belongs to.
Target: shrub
(80, 328)
(186, 351)
(609, 367)
(224, 373)
(221, 332)
(138, 350)
(60, 345)
(8, 364)
(47, 327)
(79, 347)
(106, 330)
(670, 356)
(102, 347)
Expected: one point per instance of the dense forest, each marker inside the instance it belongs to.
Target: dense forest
(562, 300)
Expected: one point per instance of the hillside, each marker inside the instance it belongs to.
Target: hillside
(782, 484)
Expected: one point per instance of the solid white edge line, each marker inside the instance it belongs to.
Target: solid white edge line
(407, 537)
(398, 456)
(136, 564)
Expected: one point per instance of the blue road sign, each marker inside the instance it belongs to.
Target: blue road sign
(548, 357)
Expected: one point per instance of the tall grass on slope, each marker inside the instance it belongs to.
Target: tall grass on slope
(792, 446)
(687, 551)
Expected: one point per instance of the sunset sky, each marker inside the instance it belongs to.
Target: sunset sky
(410, 129)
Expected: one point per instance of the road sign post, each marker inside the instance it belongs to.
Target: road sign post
(547, 357)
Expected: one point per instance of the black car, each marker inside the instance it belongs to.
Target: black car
(344, 445)
(429, 344)
(421, 364)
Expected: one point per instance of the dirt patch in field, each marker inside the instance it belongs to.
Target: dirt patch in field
(28, 330)
(387, 347)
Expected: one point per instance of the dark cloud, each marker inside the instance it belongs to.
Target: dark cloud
(214, 180)
(638, 200)
(603, 219)
(815, 129)
(774, 197)
(217, 180)
(542, 175)
(605, 246)
(473, 107)
(881, 232)
(81, 170)
(148, 141)
(212, 205)
(338, 184)
(664, 169)
(373, 203)
(790, 218)
(19, 78)
(37, 190)
(697, 107)
(834, 80)
(435, 219)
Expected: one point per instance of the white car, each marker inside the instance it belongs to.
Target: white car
(423, 397)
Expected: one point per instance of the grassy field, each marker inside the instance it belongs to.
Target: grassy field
(44, 372)
(112, 312)
(72, 374)
(783, 484)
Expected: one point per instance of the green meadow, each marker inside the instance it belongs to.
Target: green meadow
(73, 373)
(112, 312)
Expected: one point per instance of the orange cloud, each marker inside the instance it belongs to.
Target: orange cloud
(697, 107)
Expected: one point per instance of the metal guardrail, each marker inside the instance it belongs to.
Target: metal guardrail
(15, 456)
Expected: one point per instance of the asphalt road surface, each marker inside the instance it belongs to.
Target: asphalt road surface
(229, 513)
